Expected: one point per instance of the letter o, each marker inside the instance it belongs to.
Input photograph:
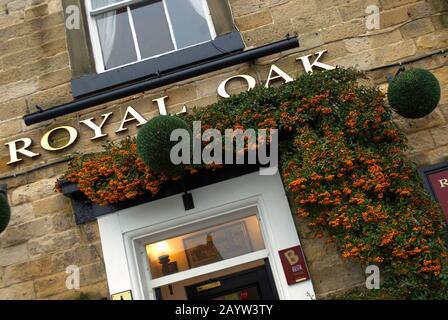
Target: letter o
(251, 82)
(71, 131)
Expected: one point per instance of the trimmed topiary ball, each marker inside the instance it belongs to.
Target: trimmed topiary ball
(5, 212)
(154, 145)
(414, 93)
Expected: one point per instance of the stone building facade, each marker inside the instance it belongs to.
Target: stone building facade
(35, 69)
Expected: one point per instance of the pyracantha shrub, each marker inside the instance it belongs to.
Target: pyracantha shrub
(5, 212)
(343, 161)
(154, 145)
(114, 175)
(414, 93)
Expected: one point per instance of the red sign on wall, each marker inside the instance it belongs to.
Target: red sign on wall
(294, 265)
(439, 185)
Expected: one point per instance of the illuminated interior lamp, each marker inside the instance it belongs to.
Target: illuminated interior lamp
(168, 267)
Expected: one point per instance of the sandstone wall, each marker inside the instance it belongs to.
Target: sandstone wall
(43, 239)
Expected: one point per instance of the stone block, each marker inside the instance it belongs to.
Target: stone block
(21, 291)
(397, 51)
(440, 135)
(15, 235)
(442, 75)
(54, 96)
(421, 141)
(9, 75)
(10, 128)
(53, 242)
(393, 17)
(90, 232)
(244, 7)
(330, 277)
(56, 203)
(432, 120)
(388, 4)
(92, 273)
(33, 192)
(96, 291)
(433, 41)
(425, 8)
(315, 22)
(79, 256)
(12, 108)
(343, 30)
(36, 11)
(254, 20)
(21, 214)
(437, 155)
(13, 255)
(28, 270)
(363, 60)
(15, 5)
(440, 22)
(16, 90)
(355, 9)
(293, 9)
(358, 44)
(50, 285)
(417, 28)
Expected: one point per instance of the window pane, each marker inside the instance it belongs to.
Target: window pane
(189, 22)
(206, 246)
(96, 4)
(151, 27)
(117, 45)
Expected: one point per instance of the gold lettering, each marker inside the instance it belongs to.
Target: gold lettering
(97, 129)
(161, 105)
(443, 183)
(280, 75)
(14, 150)
(292, 257)
(309, 66)
(135, 117)
(73, 135)
(251, 82)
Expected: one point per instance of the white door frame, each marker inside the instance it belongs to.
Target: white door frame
(121, 231)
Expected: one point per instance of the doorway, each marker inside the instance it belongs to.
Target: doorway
(235, 225)
(252, 281)
(253, 284)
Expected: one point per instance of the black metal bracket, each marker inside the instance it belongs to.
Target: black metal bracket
(188, 201)
(187, 197)
(389, 77)
(400, 70)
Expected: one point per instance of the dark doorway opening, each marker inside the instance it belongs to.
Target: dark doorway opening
(252, 284)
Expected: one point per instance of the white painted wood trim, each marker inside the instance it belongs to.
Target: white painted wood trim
(114, 253)
(225, 264)
(122, 233)
(96, 44)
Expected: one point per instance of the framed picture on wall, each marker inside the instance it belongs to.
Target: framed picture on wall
(218, 244)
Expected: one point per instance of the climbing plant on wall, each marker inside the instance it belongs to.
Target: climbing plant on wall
(342, 159)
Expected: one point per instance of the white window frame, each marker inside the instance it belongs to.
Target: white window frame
(96, 44)
(136, 244)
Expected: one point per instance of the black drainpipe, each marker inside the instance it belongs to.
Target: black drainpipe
(162, 80)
